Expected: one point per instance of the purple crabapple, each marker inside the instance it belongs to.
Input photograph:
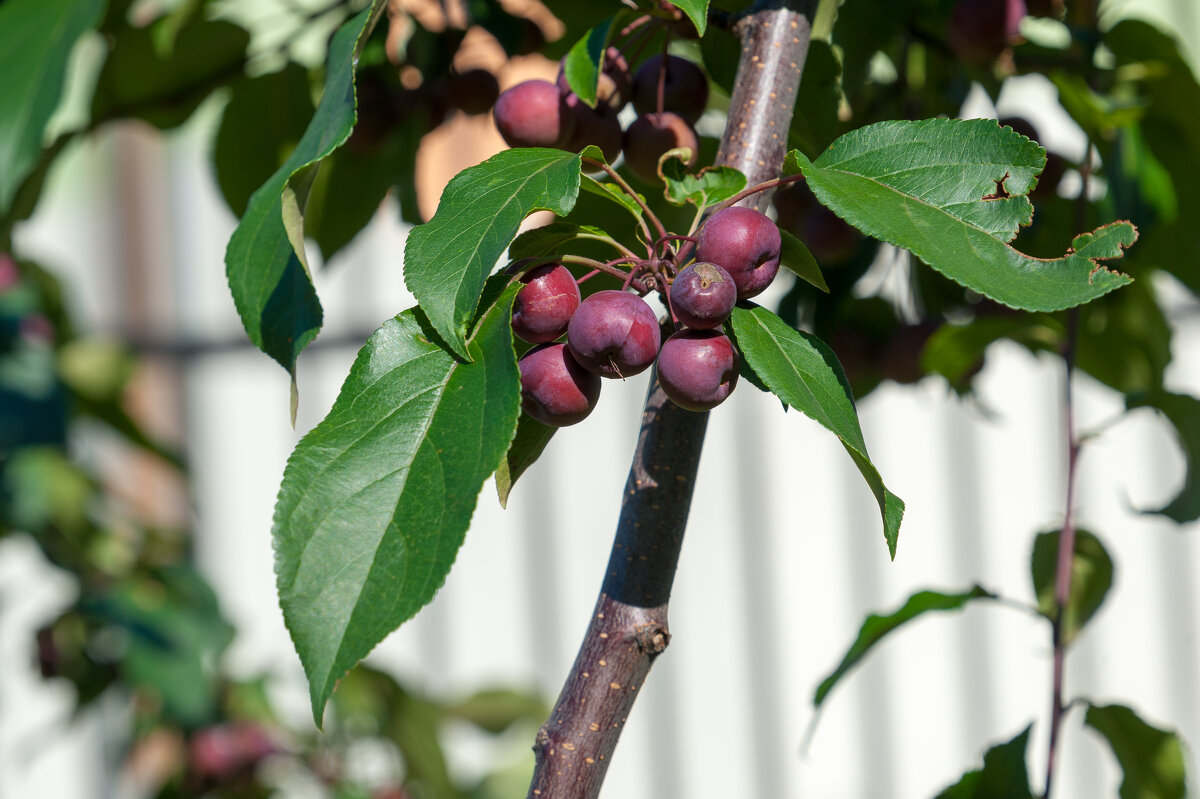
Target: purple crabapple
(685, 88)
(703, 295)
(614, 334)
(533, 114)
(651, 135)
(698, 369)
(555, 389)
(545, 305)
(745, 243)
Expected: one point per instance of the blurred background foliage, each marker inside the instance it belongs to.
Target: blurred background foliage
(146, 626)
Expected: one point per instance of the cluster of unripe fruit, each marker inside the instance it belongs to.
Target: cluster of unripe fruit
(615, 333)
(669, 94)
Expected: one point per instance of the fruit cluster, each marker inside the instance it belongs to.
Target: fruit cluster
(614, 333)
(668, 92)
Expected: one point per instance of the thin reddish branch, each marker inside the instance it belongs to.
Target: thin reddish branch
(628, 628)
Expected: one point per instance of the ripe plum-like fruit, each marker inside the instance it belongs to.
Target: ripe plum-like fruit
(615, 86)
(744, 242)
(703, 295)
(980, 30)
(685, 88)
(652, 135)
(555, 389)
(614, 334)
(545, 305)
(534, 114)
(598, 126)
(698, 369)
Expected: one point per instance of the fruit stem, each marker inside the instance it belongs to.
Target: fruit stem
(637, 198)
(609, 268)
(755, 189)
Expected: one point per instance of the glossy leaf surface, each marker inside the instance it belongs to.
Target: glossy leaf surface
(447, 260)
(264, 262)
(952, 192)
(377, 498)
(802, 371)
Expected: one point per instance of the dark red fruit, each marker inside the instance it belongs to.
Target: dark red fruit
(533, 114)
(598, 126)
(746, 244)
(698, 369)
(544, 307)
(980, 30)
(652, 135)
(555, 389)
(474, 91)
(615, 85)
(703, 295)
(614, 334)
(685, 88)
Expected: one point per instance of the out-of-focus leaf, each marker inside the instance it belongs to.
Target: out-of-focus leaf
(876, 628)
(164, 89)
(815, 122)
(1183, 411)
(803, 372)
(36, 39)
(1152, 760)
(1004, 774)
(1091, 577)
(953, 193)
(174, 635)
(956, 351)
(377, 498)
(261, 125)
(498, 709)
(447, 260)
(267, 273)
(1170, 94)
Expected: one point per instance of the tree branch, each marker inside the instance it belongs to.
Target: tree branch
(628, 628)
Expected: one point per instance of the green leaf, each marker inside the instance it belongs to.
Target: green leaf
(137, 80)
(1004, 774)
(1091, 577)
(268, 276)
(550, 239)
(526, 447)
(707, 187)
(377, 498)
(1183, 411)
(797, 259)
(697, 12)
(875, 628)
(803, 372)
(36, 39)
(261, 125)
(956, 351)
(585, 60)
(497, 709)
(613, 193)
(937, 188)
(1152, 759)
(447, 260)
